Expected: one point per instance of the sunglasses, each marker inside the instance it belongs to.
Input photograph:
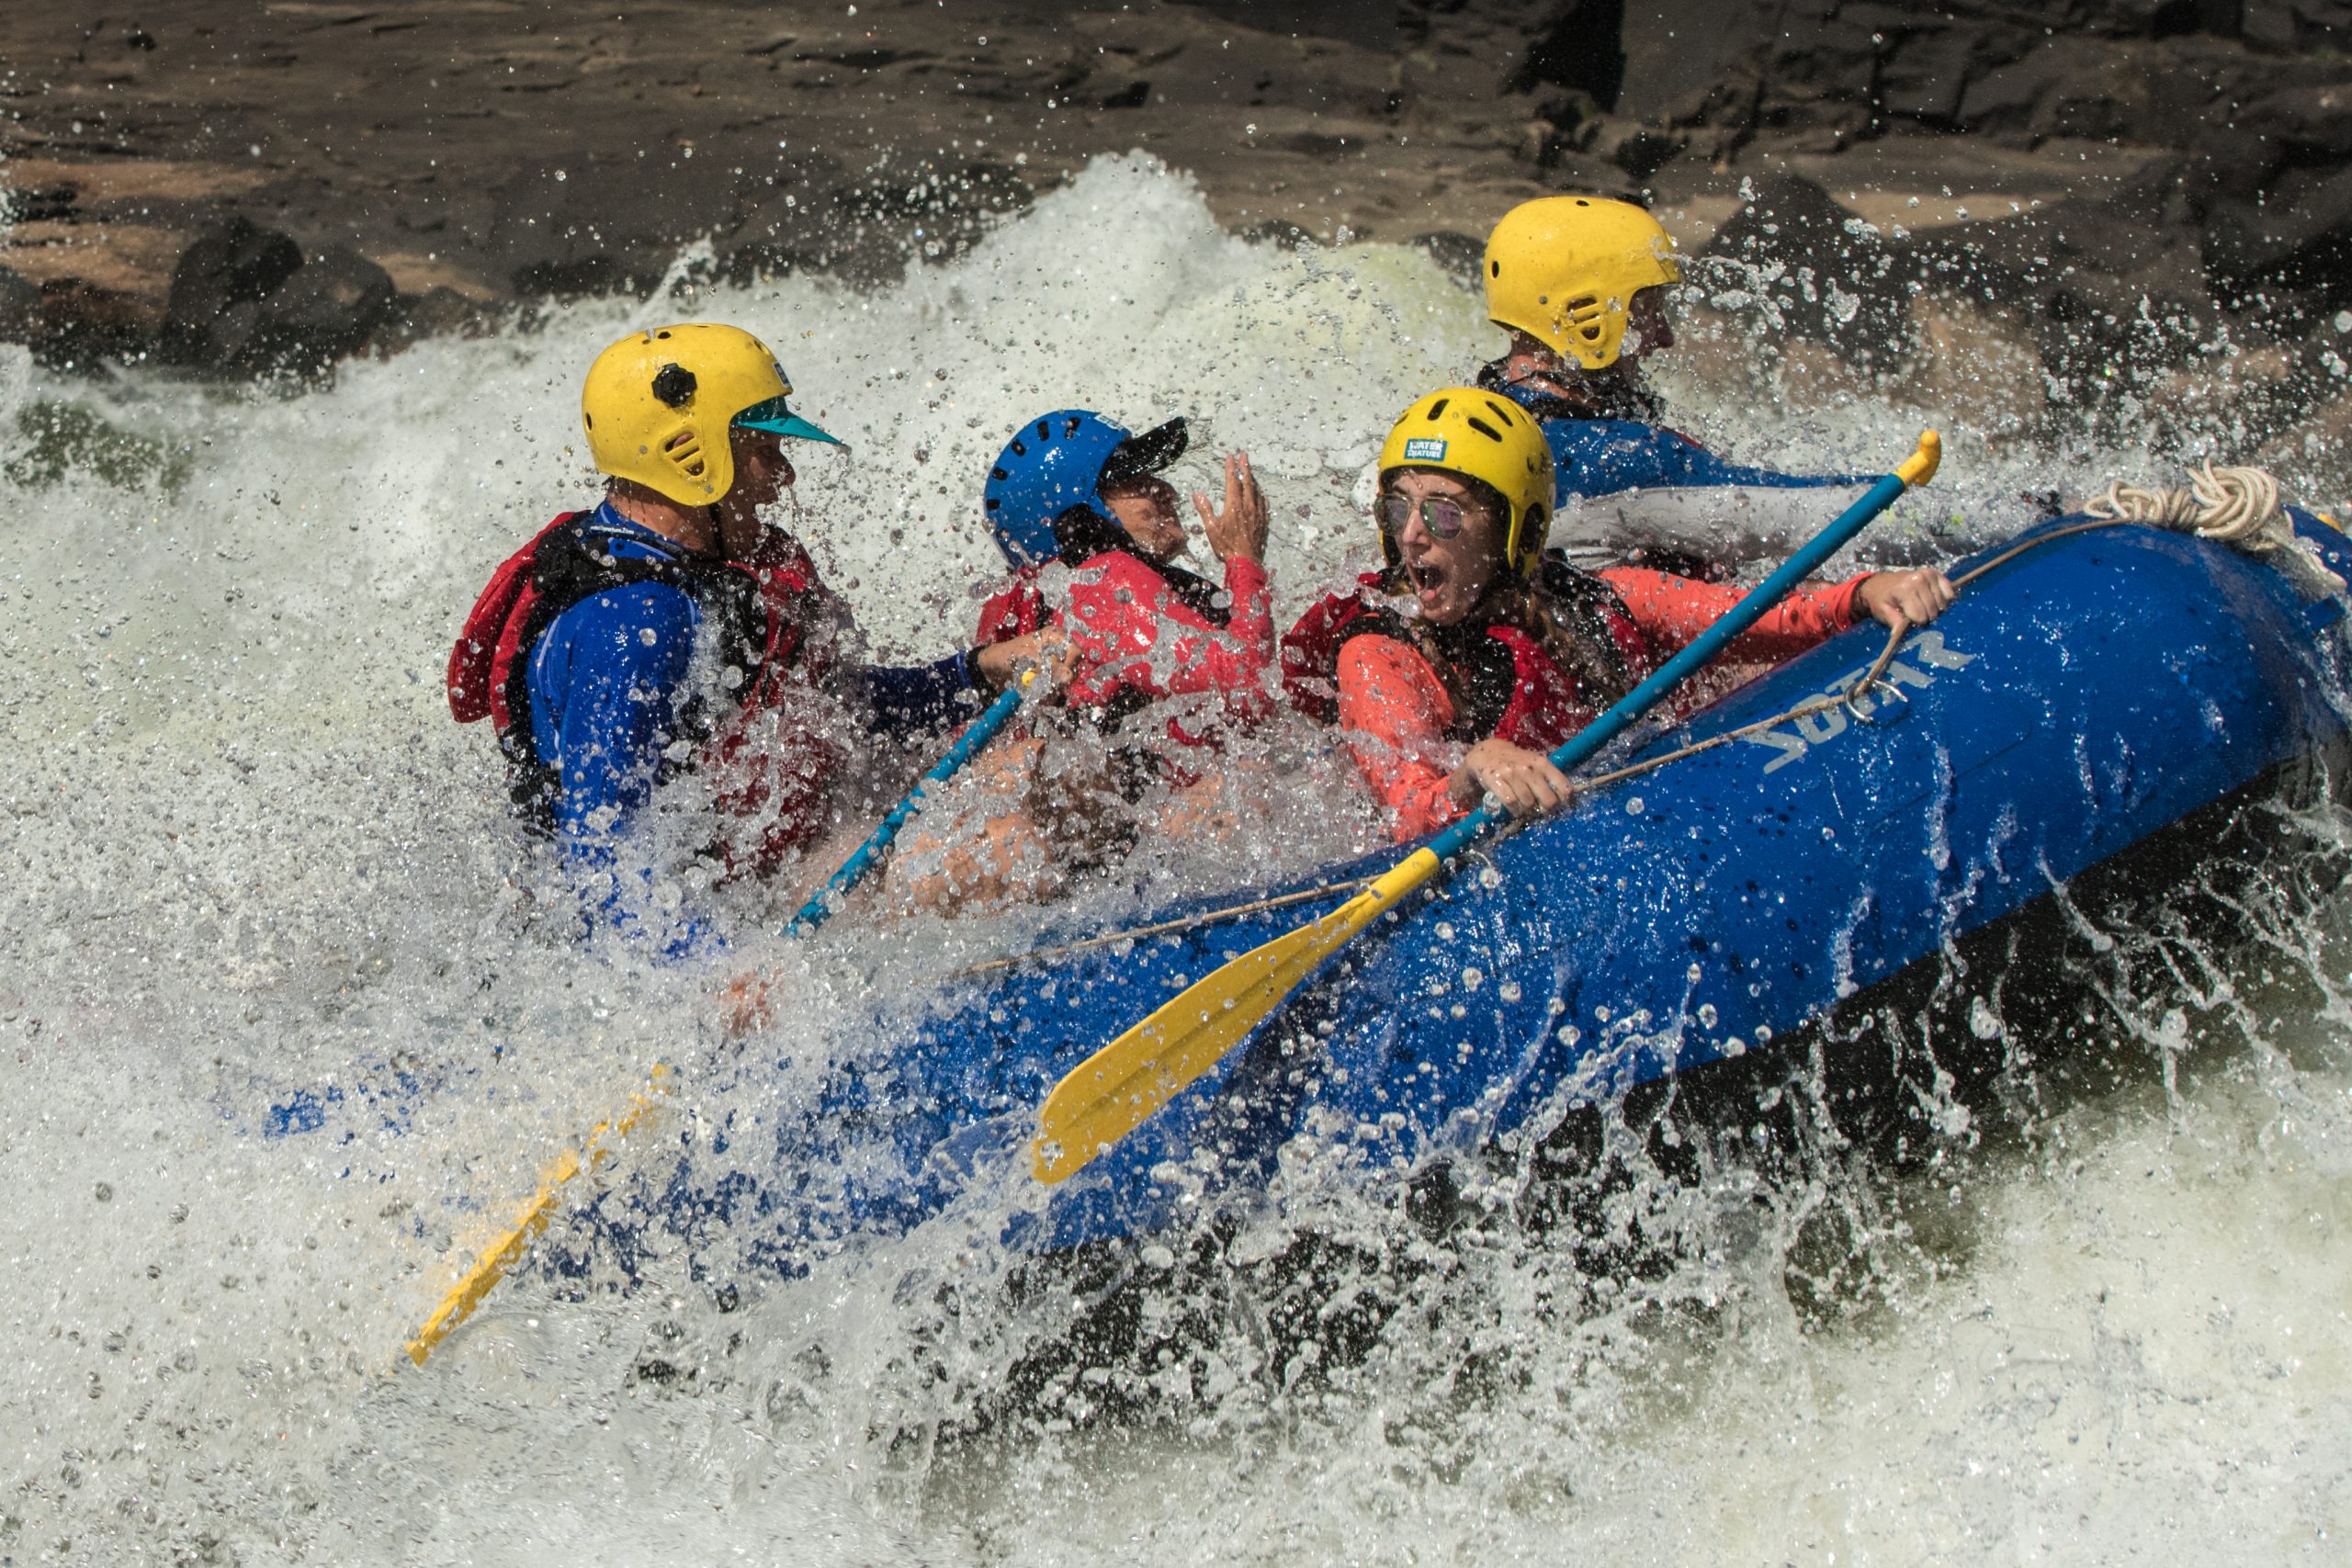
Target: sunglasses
(1445, 519)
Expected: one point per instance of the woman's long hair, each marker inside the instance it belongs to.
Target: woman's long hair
(1559, 609)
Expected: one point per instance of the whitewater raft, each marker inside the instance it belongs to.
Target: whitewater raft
(2078, 699)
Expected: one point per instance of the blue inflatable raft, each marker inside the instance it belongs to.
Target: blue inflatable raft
(2080, 697)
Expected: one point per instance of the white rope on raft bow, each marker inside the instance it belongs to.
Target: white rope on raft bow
(2238, 507)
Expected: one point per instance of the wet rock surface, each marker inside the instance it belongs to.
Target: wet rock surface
(2102, 184)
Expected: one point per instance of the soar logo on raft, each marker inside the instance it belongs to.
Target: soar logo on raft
(1928, 649)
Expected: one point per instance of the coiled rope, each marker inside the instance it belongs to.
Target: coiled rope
(2238, 507)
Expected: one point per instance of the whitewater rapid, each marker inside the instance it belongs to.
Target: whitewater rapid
(244, 852)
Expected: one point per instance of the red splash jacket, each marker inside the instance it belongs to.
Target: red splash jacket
(1349, 660)
(1141, 640)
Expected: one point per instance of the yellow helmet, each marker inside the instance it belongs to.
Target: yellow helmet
(1564, 269)
(657, 406)
(1485, 436)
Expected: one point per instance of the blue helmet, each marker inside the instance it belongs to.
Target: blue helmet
(1062, 460)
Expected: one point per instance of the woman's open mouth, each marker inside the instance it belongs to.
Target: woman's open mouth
(1427, 578)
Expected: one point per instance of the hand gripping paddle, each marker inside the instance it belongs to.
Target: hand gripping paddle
(1112, 1092)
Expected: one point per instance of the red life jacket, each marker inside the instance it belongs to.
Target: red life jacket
(779, 626)
(1513, 689)
(1020, 608)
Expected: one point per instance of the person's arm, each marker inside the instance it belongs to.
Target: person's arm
(1395, 714)
(1607, 456)
(912, 700)
(909, 701)
(1673, 610)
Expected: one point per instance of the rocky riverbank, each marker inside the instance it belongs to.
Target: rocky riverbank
(2102, 205)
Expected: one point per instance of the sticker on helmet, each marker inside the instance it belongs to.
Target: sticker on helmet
(1425, 449)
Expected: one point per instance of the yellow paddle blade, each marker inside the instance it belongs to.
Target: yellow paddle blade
(494, 1259)
(1112, 1092)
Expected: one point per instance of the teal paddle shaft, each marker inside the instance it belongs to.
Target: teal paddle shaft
(1715, 640)
(819, 907)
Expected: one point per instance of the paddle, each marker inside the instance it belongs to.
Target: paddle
(1112, 1092)
(821, 905)
(509, 1245)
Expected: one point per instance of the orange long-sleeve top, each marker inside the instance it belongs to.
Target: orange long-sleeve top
(1398, 716)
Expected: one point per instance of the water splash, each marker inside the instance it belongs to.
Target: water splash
(248, 854)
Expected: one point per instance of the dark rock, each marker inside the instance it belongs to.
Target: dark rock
(1134, 95)
(438, 311)
(2156, 195)
(1458, 255)
(1327, 18)
(2112, 298)
(1281, 233)
(2149, 71)
(2106, 97)
(231, 332)
(1682, 57)
(581, 228)
(865, 230)
(1579, 48)
(1810, 268)
(41, 204)
(81, 323)
(2302, 124)
(2229, 165)
(19, 306)
(1639, 150)
(2006, 99)
(230, 263)
(327, 309)
(2298, 25)
(1928, 73)
(2294, 234)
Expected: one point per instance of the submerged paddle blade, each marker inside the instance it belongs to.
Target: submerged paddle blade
(505, 1249)
(1114, 1091)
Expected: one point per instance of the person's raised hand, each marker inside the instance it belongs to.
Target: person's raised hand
(1048, 648)
(1524, 781)
(1240, 528)
(1899, 599)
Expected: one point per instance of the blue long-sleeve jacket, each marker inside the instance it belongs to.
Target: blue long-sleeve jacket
(1625, 485)
(610, 681)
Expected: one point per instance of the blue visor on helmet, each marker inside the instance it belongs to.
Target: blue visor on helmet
(776, 419)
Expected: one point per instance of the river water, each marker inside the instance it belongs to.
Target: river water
(246, 852)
